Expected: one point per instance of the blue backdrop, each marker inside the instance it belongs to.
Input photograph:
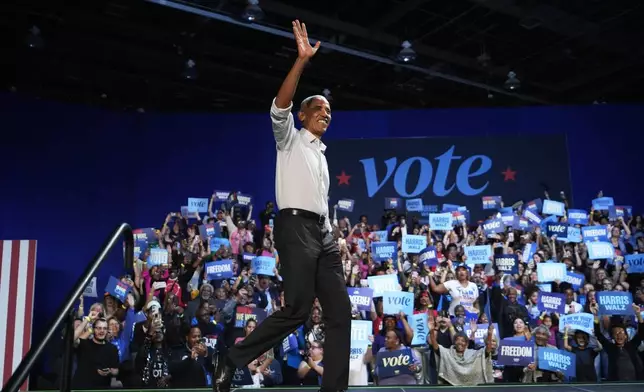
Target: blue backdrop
(70, 174)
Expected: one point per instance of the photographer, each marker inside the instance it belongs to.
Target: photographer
(152, 361)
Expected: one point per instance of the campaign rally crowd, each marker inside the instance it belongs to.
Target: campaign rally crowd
(538, 292)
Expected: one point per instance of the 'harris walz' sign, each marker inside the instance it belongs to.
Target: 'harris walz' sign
(446, 170)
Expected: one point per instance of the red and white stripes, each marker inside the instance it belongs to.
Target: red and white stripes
(17, 283)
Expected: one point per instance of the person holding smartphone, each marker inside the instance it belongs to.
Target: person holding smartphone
(97, 361)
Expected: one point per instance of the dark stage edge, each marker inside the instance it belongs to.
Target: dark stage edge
(603, 387)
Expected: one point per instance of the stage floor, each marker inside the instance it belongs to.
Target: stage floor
(603, 387)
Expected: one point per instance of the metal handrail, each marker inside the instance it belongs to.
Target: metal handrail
(65, 314)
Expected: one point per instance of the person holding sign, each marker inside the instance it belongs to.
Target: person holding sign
(396, 364)
(531, 373)
(459, 365)
(624, 363)
(309, 256)
(463, 291)
(585, 356)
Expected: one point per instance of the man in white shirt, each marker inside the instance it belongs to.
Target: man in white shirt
(309, 257)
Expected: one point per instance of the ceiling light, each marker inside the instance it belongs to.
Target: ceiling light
(34, 39)
(190, 71)
(253, 11)
(513, 83)
(406, 54)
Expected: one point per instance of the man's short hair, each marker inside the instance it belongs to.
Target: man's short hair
(306, 103)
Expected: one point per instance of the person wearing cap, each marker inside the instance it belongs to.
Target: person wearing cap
(309, 256)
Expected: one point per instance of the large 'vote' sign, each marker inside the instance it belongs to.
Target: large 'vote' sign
(445, 170)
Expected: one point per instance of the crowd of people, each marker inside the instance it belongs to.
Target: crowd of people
(219, 277)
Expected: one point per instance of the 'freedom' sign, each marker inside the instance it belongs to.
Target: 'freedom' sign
(361, 297)
(515, 352)
(219, 270)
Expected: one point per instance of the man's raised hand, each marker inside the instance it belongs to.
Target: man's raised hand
(304, 49)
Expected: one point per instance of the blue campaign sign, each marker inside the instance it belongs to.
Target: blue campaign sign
(428, 209)
(479, 254)
(508, 218)
(602, 203)
(507, 264)
(515, 352)
(450, 207)
(117, 289)
(381, 251)
(556, 360)
(441, 221)
(221, 195)
(492, 202)
(346, 205)
(361, 297)
(383, 283)
(219, 270)
(418, 323)
(615, 212)
(558, 229)
(196, 204)
(147, 236)
(549, 272)
(600, 250)
(157, 256)
(532, 216)
(460, 170)
(635, 263)
(248, 257)
(392, 203)
(379, 235)
(360, 332)
(574, 235)
(242, 377)
(615, 303)
(460, 217)
(263, 265)
(244, 199)
(414, 205)
(413, 243)
(577, 321)
(481, 332)
(529, 251)
(551, 207)
(595, 233)
(428, 256)
(520, 223)
(217, 242)
(493, 226)
(394, 302)
(576, 280)
(578, 217)
(394, 363)
(534, 205)
(552, 303)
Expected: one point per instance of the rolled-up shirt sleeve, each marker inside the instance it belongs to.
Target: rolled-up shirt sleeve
(283, 126)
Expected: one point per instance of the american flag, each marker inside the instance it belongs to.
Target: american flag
(17, 282)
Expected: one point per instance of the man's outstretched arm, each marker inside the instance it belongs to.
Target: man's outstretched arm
(304, 53)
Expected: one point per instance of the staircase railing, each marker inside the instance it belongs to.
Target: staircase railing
(65, 316)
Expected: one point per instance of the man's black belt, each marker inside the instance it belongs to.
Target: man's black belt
(320, 219)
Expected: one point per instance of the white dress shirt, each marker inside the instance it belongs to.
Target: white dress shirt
(302, 173)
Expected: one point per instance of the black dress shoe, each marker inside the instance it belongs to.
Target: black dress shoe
(223, 374)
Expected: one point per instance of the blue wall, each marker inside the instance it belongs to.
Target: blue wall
(70, 174)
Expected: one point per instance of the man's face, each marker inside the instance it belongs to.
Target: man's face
(100, 330)
(316, 117)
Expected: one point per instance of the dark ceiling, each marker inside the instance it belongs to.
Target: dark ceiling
(130, 54)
